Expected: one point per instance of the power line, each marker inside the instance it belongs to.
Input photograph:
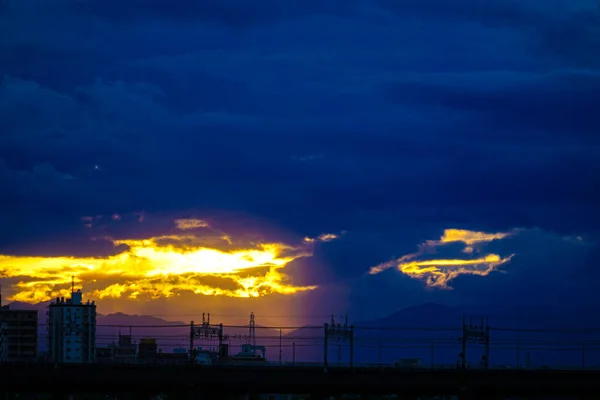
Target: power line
(282, 316)
(422, 329)
(549, 330)
(275, 327)
(452, 342)
(370, 328)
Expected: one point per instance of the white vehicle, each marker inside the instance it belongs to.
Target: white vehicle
(203, 357)
(249, 355)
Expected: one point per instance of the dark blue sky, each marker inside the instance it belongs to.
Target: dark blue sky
(391, 120)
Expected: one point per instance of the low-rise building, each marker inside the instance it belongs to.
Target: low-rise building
(18, 334)
(147, 350)
(173, 358)
(123, 352)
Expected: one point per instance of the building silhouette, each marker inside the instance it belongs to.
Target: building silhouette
(18, 334)
(72, 329)
(148, 350)
(124, 351)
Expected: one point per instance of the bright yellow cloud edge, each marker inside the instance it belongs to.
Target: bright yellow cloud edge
(161, 267)
(437, 273)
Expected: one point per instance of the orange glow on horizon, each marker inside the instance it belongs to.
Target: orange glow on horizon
(161, 267)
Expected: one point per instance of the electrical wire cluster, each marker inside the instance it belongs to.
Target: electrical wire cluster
(177, 335)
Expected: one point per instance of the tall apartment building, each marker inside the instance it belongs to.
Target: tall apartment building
(72, 330)
(18, 334)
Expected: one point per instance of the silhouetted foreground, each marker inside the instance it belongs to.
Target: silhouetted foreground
(273, 379)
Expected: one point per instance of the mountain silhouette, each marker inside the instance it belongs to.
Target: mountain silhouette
(536, 335)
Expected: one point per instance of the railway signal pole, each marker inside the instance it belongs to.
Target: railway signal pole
(206, 331)
(338, 333)
(475, 333)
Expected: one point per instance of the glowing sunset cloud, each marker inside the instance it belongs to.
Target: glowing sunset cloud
(439, 272)
(161, 266)
(185, 224)
(470, 238)
(325, 237)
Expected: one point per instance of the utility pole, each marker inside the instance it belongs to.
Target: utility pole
(280, 349)
(463, 340)
(252, 331)
(221, 337)
(478, 334)
(487, 343)
(325, 349)
(192, 336)
(351, 344)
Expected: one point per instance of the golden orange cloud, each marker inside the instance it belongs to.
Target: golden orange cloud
(325, 237)
(469, 238)
(439, 272)
(185, 224)
(161, 266)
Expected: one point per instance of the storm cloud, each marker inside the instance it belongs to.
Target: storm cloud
(390, 120)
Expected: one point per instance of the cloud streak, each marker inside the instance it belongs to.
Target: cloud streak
(438, 273)
(471, 239)
(185, 224)
(324, 237)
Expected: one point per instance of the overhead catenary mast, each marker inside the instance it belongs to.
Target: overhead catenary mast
(252, 331)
